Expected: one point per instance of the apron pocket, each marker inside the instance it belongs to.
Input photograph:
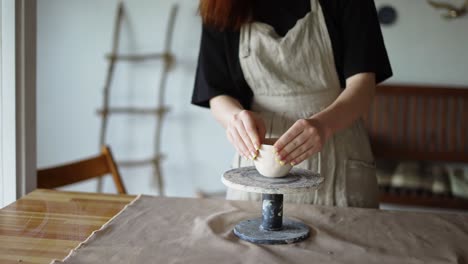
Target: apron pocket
(361, 184)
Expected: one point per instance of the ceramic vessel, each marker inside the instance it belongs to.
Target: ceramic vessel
(266, 163)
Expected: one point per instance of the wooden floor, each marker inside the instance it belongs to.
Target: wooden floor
(46, 224)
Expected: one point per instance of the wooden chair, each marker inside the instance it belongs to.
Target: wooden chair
(98, 166)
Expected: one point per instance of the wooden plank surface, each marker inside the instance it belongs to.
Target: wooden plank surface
(46, 224)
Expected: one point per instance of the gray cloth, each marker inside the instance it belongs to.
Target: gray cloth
(294, 77)
(180, 230)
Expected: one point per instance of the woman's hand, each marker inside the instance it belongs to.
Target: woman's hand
(307, 136)
(304, 139)
(246, 131)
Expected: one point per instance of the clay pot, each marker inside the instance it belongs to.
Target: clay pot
(266, 163)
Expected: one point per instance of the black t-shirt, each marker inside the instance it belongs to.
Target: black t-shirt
(354, 32)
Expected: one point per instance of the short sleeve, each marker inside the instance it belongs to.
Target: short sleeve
(363, 44)
(212, 75)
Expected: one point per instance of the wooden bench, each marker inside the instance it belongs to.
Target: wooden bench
(420, 123)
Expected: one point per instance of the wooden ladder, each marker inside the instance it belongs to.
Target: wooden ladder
(158, 112)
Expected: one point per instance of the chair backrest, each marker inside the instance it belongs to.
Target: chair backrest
(93, 167)
(419, 123)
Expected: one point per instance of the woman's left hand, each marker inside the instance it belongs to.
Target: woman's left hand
(304, 139)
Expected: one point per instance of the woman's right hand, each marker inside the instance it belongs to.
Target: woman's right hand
(246, 131)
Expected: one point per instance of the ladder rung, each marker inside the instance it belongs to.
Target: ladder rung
(139, 57)
(204, 194)
(143, 162)
(134, 110)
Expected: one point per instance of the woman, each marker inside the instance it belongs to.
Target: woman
(303, 71)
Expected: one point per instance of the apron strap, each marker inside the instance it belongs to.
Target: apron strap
(246, 31)
(314, 6)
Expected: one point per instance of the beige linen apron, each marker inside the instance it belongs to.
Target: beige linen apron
(294, 77)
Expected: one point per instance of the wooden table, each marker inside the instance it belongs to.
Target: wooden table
(47, 224)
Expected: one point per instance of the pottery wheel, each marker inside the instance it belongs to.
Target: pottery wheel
(271, 228)
(248, 179)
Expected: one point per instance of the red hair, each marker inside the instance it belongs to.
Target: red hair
(226, 14)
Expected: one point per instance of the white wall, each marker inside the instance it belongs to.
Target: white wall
(73, 37)
(423, 47)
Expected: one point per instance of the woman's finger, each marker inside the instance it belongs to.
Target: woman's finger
(251, 130)
(231, 140)
(239, 143)
(261, 129)
(305, 155)
(292, 132)
(297, 142)
(297, 152)
(294, 157)
(241, 130)
(228, 134)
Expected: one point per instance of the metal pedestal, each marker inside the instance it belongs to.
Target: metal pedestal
(272, 228)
